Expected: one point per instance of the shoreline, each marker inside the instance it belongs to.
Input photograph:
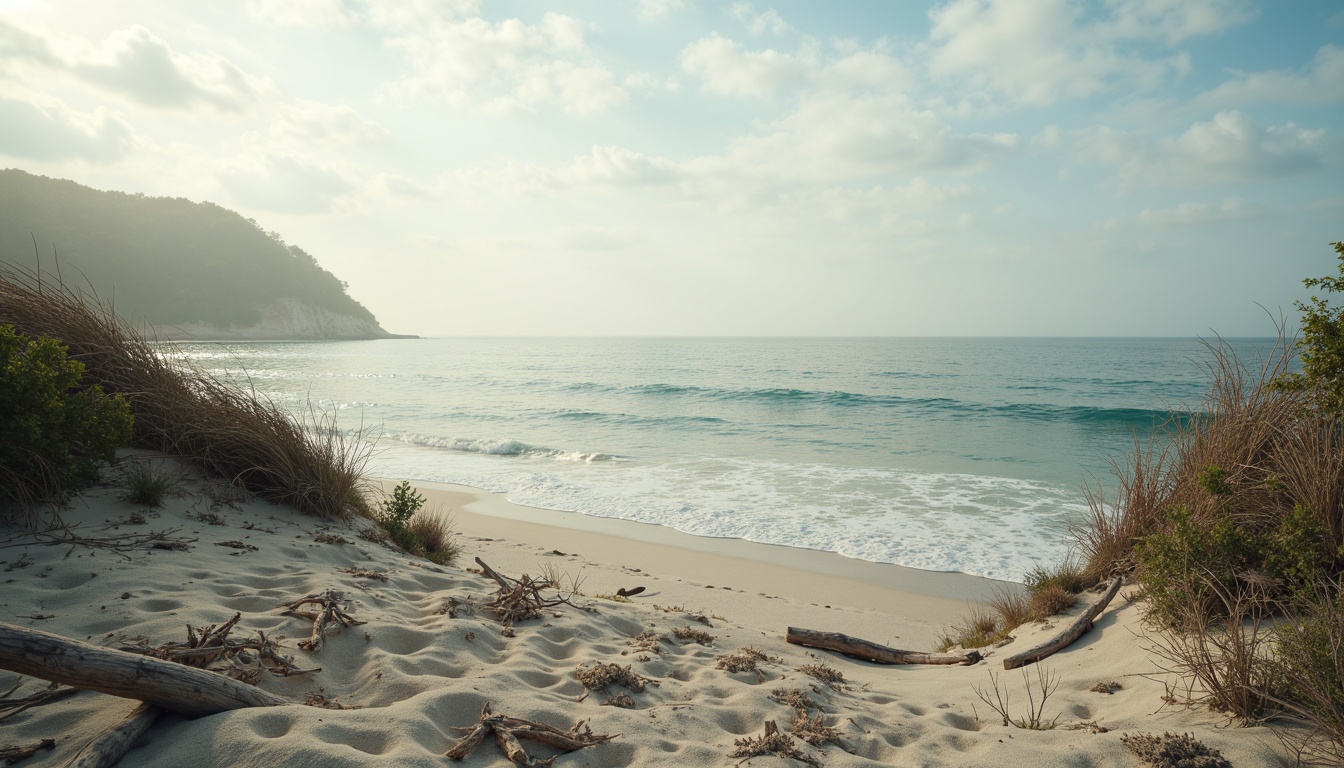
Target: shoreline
(887, 603)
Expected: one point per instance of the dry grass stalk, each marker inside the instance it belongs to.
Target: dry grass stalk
(211, 648)
(998, 698)
(694, 635)
(772, 742)
(329, 612)
(232, 432)
(1173, 751)
(832, 677)
(509, 732)
(1225, 658)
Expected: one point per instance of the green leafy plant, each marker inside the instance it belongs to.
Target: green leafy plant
(54, 431)
(422, 534)
(1321, 346)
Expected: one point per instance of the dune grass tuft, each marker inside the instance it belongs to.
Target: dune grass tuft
(234, 433)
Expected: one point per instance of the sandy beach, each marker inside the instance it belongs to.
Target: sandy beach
(431, 653)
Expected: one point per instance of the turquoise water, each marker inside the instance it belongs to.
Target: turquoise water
(946, 454)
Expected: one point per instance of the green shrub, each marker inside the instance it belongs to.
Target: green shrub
(1170, 559)
(1066, 575)
(1213, 480)
(1310, 664)
(1322, 344)
(400, 507)
(54, 433)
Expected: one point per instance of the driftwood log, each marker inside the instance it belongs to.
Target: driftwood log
(870, 651)
(172, 687)
(1072, 632)
(108, 749)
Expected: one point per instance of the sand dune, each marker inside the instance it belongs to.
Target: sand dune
(431, 653)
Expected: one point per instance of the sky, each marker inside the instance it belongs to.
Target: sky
(677, 167)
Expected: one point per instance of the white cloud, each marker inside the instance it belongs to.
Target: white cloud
(137, 65)
(726, 69)
(1037, 52)
(1174, 21)
(653, 10)
(285, 184)
(315, 121)
(1202, 214)
(505, 67)
(1321, 83)
(43, 128)
(301, 13)
(1231, 147)
(760, 22)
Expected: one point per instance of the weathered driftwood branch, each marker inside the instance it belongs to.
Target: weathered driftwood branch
(11, 755)
(173, 687)
(329, 612)
(210, 645)
(12, 707)
(509, 730)
(519, 599)
(108, 749)
(1072, 632)
(870, 651)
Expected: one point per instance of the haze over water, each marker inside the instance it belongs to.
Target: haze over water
(965, 454)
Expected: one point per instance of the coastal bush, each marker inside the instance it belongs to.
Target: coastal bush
(421, 532)
(55, 430)
(977, 629)
(300, 459)
(1322, 344)
(1309, 662)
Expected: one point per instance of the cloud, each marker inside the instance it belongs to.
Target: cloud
(725, 68)
(49, 130)
(1202, 214)
(760, 22)
(1036, 52)
(653, 10)
(1321, 83)
(1231, 147)
(590, 238)
(285, 184)
(312, 14)
(505, 67)
(137, 65)
(315, 121)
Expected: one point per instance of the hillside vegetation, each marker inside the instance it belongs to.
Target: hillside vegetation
(169, 261)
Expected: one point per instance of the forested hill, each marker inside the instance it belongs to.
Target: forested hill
(196, 267)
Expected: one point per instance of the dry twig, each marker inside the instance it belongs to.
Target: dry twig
(772, 742)
(519, 599)
(510, 731)
(212, 645)
(329, 612)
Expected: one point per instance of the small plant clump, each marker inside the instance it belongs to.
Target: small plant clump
(772, 742)
(694, 635)
(599, 677)
(647, 641)
(813, 731)
(421, 533)
(794, 697)
(830, 676)
(1173, 751)
(998, 697)
(977, 629)
(144, 484)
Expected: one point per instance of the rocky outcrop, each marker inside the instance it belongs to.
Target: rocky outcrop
(284, 320)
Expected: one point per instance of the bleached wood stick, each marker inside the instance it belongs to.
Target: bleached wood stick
(172, 687)
(1062, 640)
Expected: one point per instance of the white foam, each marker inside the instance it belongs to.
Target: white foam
(987, 526)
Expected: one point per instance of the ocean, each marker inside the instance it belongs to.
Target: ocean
(948, 454)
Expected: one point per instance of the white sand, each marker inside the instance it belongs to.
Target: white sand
(417, 673)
